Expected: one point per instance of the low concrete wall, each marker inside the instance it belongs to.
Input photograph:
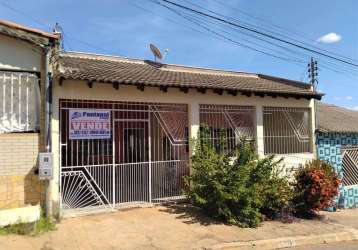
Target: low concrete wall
(19, 185)
(19, 215)
(291, 162)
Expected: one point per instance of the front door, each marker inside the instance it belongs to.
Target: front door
(131, 161)
(134, 141)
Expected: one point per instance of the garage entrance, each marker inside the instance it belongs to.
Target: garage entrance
(120, 154)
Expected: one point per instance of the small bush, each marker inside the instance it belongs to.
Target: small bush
(316, 186)
(277, 192)
(236, 187)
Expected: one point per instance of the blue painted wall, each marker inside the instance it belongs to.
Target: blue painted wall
(329, 149)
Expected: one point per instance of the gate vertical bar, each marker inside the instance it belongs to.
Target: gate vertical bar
(113, 164)
(150, 158)
(60, 151)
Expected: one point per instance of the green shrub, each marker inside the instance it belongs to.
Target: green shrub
(236, 187)
(315, 188)
(275, 188)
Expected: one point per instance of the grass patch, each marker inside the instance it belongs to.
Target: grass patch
(32, 229)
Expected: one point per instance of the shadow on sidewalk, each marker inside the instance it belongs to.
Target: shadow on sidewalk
(189, 214)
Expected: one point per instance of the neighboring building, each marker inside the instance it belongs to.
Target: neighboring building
(121, 127)
(23, 70)
(337, 143)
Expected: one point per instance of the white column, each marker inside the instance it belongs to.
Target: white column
(55, 145)
(194, 125)
(313, 127)
(260, 131)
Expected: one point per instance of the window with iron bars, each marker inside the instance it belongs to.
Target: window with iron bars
(287, 130)
(232, 122)
(19, 102)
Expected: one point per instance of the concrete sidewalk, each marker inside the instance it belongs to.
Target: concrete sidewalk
(176, 227)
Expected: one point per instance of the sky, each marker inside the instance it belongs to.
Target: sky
(127, 27)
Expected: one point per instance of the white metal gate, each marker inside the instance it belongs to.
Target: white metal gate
(350, 165)
(143, 161)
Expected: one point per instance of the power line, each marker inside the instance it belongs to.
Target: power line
(334, 67)
(39, 22)
(264, 22)
(44, 24)
(229, 39)
(257, 32)
(268, 30)
(260, 39)
(164, 17)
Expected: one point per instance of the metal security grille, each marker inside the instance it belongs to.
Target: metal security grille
(234, 122)
(350, 166)
(19, 102)
(287, 130)
(144, 160)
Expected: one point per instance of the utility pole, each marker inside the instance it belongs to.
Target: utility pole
(313, 73)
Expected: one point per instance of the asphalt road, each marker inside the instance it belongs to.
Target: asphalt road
(349, 245)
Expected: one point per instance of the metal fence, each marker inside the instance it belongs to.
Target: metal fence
(350, 166)
(144, 160)
(231, 122)
(287, 130)
(19, 102)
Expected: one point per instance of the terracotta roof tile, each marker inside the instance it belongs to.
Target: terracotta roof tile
(88, 67)
(28, 29)
(331, 118)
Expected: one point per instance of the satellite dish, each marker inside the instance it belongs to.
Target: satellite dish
(156, 52)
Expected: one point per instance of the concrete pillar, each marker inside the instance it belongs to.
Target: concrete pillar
(260, 131)
(194, 125)
(313, 127)
(54, 184)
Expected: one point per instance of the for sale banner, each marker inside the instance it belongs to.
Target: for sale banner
(89, 124)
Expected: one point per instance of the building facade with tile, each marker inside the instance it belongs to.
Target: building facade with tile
(337, 143)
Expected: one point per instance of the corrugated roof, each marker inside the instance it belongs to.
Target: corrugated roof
(331, 118)
(111, 69)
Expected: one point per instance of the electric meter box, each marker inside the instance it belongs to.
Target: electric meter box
(45, 166)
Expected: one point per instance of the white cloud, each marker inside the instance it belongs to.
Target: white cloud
(355, 108)
(330, 38)
(338, 98)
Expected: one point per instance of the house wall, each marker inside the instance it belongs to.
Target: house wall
(17, 54)
(100, 91)
(19, 185)
(329, 147)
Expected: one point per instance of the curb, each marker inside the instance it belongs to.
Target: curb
(288, 242)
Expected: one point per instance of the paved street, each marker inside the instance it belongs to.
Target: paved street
(351, 245)
(347, 217)
(159, 227)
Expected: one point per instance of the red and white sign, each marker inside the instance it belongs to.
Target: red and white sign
(89, 124)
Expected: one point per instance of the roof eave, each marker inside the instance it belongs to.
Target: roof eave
(246, 92)
(27, 34)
